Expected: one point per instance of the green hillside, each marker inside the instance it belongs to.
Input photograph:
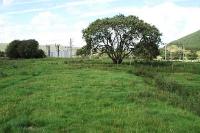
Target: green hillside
(191, 41)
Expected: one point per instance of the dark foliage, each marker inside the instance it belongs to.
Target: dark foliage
(2, 54)
(86, 51)
(193, 55)
(121, 36)
(24, 49)
(3, 74)
(12, 49)
(40, 54)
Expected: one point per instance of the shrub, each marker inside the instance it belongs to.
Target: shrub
(12, 49)
(2, 54)
(170, 85)
(192, 55)
(2, 74)
(24, 49)
(143, 72)
(40, 54)
(28, 49)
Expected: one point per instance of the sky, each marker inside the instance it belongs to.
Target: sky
(56, 21)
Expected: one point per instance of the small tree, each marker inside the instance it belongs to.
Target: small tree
(40, 54)
(28, 48)
(121, 36)
(12, 49)
(24, 49)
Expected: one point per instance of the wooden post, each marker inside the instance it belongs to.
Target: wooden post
(165, 52)
(183, 50)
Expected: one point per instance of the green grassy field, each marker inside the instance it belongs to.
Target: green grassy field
(191, 41)
(75, 95)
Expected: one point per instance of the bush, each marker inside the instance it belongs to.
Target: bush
(24, 49)
(192, 55)
(2, 74)
(40, 54)
(144, 73)
(12, 49)
(2, 54)
(170, 85)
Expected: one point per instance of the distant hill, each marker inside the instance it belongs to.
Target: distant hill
(191, 41)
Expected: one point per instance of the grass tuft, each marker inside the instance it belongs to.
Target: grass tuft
(3, 74)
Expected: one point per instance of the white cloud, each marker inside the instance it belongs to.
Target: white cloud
(73, 4)
(7, 2)
(172, 20)
(89, 2)
(47, 27)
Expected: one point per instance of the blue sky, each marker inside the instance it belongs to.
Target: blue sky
(55, 21)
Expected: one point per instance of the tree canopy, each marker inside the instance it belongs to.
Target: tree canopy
(121, 36)
(24, 49)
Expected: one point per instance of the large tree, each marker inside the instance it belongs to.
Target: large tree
(120, 36)
(86, 51)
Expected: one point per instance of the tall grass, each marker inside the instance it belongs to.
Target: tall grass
(3, 74)
(76, 95)
(173, 92)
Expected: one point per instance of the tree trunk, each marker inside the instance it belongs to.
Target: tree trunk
(117, 61)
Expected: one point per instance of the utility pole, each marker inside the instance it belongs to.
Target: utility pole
(183, 52)
(165, 51)
(70, 46)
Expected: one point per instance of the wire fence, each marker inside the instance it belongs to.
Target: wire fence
(59, 51)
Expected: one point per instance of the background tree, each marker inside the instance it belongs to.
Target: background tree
(24, 49)
(146, 51)
(28, 48)
(192, 55)
(198, 55)
(2, 54)
(86, 51)
(12, 49)
(121, 36)
(174, 51)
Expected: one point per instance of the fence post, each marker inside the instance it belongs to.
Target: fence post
(58, 49)
(48, 47)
